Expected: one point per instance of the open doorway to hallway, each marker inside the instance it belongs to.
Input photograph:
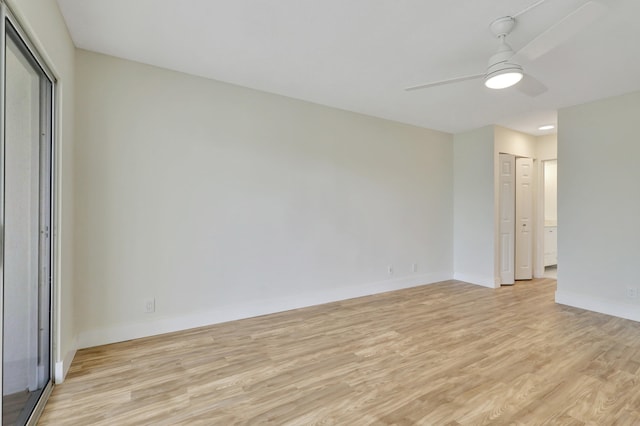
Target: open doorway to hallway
(509, 145)
(550, 198)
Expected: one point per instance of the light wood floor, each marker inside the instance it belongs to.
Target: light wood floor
(444, 354)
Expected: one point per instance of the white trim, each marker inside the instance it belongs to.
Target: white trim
(3, 42)
(25, 35)
(34, 42)
(62, 367)
(538, 263)
(255, 308)
(485, 281)
(596, 304)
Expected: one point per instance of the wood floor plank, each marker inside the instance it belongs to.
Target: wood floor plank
(443, 354)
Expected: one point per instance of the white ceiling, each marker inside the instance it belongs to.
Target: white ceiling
(359, 55)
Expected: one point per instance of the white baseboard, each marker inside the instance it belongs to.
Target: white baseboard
(603, 306)
(62, 367)
(250, 309)
(476, 279)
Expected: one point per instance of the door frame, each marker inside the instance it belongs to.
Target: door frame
(506, 225)
(8, 18)
(538, 259)
(538, 271)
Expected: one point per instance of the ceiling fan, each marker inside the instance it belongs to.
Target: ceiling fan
(504, 69)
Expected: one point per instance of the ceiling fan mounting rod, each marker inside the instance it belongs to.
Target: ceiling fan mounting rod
(502, 27)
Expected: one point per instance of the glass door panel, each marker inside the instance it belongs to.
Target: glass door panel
(26, 362)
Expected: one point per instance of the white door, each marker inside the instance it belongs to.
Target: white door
(524, 220)
(507, 216)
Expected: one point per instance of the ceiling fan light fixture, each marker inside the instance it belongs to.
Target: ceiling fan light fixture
(506, 76)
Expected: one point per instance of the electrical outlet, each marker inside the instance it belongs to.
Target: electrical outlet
(149, 305)
(632, 292)
(390, 269)
(414, 267)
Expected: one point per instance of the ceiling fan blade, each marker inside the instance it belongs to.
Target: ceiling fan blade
(443, 82)
(527, 9)
(531, 86)
(562, 31)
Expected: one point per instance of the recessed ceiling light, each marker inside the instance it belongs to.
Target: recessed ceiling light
(547, 127)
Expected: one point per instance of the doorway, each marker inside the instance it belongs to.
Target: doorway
(25, 218)
(550, 200)
(515, 218)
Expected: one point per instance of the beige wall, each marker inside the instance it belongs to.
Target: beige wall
(473, 239)
(547, 147)
(223, 202)
(598, 205)
(513, 142)
(46, 28)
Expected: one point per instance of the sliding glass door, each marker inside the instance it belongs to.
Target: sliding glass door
(26, 229)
